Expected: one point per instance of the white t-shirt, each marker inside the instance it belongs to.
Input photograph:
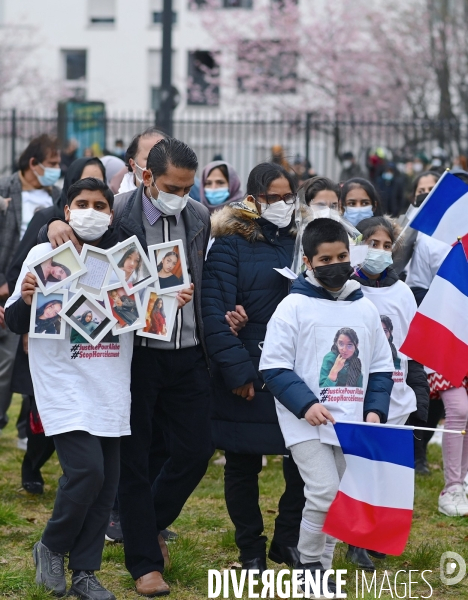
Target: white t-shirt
(397, 303)
(428, 255)
(32, 201)
(77, 386)
(300, 337)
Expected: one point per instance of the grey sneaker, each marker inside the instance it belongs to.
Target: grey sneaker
(86, 585)
(50, 570)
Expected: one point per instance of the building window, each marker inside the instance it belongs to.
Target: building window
(101, 12)
(157, 18)
(266, 67)
(156, 12)
(75, 64)
(203, 79)
(237, 3)
(282, 4)
(223, 3)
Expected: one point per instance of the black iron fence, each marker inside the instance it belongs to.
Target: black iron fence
(242, 139)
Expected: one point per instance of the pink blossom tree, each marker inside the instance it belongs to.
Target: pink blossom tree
(400, 59)
(21, 83)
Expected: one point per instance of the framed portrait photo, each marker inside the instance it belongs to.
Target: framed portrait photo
(98, 271)
(170, 263)
(57, 268)
(127, 309)
(159, 315)
(131, 265)
(46, 322)
(88, 318)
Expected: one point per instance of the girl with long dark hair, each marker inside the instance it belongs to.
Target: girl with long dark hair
(395, 303)
(342, 367)
(47, 319)
(165, 270)
(158, 318)
(130, 263)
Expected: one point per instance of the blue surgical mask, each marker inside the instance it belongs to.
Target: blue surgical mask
(387, 176)
(357, 214)
(217, 196)
(50, 177)
(377, 261)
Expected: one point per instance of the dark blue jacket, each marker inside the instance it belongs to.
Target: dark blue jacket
(293, 392)
(240, 270)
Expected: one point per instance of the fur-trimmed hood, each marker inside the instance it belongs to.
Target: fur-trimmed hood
(232, 220)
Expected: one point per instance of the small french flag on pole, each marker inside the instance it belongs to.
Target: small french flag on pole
(443, 214)
(438, 334)
(373, 508)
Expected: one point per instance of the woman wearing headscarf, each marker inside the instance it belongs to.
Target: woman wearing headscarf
(39, 447)
(219, 185)
(113, 165)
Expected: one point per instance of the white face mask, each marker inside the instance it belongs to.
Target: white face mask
(138, 172)
(89, 224)
(168, 204)
(278, 213)
(377, 261)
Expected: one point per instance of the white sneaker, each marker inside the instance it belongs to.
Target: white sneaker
(22, 443)
(454, 502)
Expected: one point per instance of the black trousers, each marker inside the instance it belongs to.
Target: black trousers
(84, 498)
(40, 449)
(242, 496)
(172, 385)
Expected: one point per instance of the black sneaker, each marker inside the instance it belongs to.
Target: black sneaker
(86, 585)
(33, 487)
(421, 466)
(50, 571)
(168, 535)
(317, 570)
(114, 529)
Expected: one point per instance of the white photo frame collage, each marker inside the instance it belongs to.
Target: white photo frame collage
(118, 290)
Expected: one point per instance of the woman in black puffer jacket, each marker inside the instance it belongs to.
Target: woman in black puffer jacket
(252, 238)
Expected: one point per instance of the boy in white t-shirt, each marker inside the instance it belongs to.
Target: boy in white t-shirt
(325, 358)
(83, 398)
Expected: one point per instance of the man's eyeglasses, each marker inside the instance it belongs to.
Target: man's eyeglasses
(273, 198)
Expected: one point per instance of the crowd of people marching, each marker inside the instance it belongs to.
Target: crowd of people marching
(257, 363)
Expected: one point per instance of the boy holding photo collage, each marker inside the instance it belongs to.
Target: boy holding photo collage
(84, 403)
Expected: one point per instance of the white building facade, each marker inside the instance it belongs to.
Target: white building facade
(110, 50)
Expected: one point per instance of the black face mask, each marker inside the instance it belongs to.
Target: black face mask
(420, 199)
(334, 276)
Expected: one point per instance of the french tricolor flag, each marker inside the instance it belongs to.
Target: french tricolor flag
(443, 214)
(438, 334)
(373, 508)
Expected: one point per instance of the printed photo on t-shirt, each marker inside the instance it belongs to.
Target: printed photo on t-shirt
(392, 330)
(46, 322)
(340, 368)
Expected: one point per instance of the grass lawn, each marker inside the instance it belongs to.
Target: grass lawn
(207, 538)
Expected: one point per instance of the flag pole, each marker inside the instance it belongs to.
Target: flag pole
(411, 427)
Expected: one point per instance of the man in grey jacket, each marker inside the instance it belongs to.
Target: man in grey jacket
(21, 195)
(169, 379)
